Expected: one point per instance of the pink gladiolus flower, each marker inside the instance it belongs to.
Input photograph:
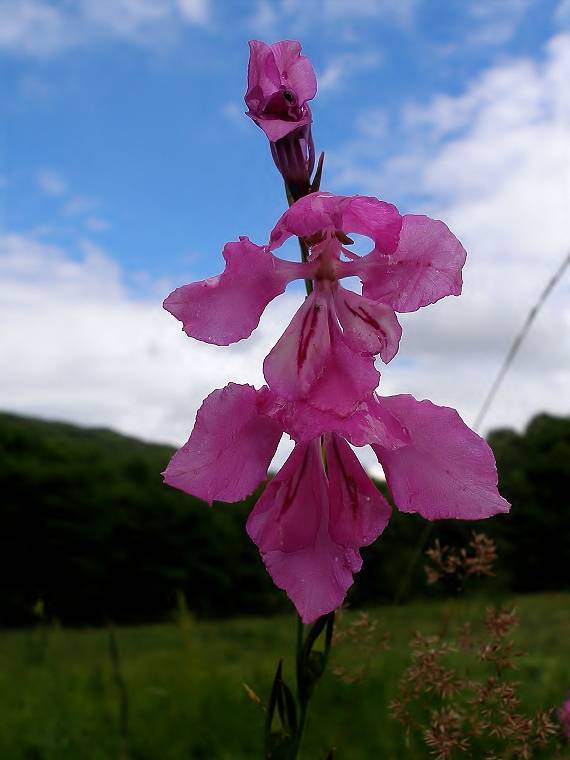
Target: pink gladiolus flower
(321, 508)
(280, 82)
(564, 717)
(310, 524)
(326, 355)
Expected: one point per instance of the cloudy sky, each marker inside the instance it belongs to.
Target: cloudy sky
(126, 163)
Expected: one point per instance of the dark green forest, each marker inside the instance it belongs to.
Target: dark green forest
(90, 533)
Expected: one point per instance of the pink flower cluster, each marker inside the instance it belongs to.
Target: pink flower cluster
(321, 508)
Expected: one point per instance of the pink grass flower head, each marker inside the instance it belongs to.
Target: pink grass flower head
(564, 717)
(280, 82)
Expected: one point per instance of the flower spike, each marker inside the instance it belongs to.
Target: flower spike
(321, 508)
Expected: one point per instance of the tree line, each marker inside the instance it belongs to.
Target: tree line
(89, 532)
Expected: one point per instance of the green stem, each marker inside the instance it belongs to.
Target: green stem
(301, 696)
(311, 667)
(304, 257)
(290, 200)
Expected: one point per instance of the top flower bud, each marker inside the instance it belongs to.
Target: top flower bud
(280, 81)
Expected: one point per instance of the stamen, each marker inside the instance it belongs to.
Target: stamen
(343, 237)
(318, 237)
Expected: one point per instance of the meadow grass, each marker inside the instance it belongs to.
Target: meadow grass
(59, 697)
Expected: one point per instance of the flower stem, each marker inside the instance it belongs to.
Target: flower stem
(310, 663)
(304, 257)
(303, 703)
(287, 710)
(311, 666)
(313, 188)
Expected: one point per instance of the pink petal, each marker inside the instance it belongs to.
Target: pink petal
(376, 219)
(370, 423)
(365, 425)
(289, 524)
(275, 129)
(348, 378)
(298, 359)
(368, 326)
(312, 362)
(296, 70)
(425, 267)
(386, 429)
(304, 422)
(230, 448)
(263, 76)
(306, 217)
(358, 511)
(288, 514)
(227, 308)
(316, 578)
(446, 470)
(323, 211)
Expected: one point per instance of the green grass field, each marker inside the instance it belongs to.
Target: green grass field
(59, 699)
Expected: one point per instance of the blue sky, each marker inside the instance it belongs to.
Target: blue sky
(143, 123)
(124, 147)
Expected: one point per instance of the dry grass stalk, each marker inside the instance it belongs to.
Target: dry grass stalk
(365, 640)
(457, 566)
(457, 712)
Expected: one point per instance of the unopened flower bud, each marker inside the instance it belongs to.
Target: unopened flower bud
(280, 82)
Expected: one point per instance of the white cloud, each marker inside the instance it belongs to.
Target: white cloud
(562, 13)
(126, 19)
(494, 163)
(234, 112)
(373, 123)
(495, 23)
(34, 27)
(97, 224)
(39, 29)
(283, 17)
(264, 19)
(81, 348)
(51, 183)
(339, 70)
(79, 205)
(195, 11)
(400, 11)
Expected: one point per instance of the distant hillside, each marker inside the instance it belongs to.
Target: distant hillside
(89, 529)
